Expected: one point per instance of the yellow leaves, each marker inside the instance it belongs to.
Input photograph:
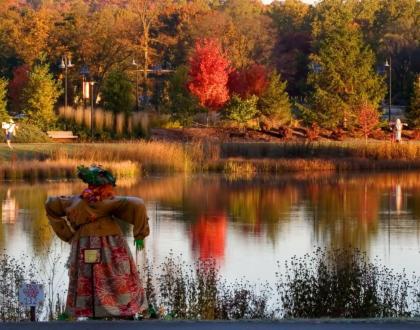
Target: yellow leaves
(27, 31)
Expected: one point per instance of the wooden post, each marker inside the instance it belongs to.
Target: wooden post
(33, 318)
(93, 291)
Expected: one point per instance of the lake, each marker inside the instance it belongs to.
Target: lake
(246, 225)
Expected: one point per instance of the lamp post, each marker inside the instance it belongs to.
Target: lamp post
(91, 83)
(389, 66)
(64, 65)
(134, 63)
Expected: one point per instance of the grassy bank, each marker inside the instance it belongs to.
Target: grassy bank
(129, 159)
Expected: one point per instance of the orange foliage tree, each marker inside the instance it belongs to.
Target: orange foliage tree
(208, 74)
(367, 119)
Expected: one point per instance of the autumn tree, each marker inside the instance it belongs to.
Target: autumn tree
(27, 30)
(209, 74)
(292, 42)
(16, 86)
(242, 27)
(3, 101)
(39, 97)
(414, 108)
(252, 80)
(147, 14)
(368, 119)
(248, 38)
(102, 39)
(117, 92)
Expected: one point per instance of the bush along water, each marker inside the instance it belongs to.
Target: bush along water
(343, 284)
(339, 283)
(198, 292)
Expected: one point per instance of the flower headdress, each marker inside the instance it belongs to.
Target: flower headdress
(95, 175)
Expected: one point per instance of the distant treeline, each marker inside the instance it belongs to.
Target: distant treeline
(332, 55)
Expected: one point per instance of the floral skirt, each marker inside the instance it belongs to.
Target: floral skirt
(111, 287)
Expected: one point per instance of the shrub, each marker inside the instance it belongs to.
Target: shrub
(29, 133)
(416, 134)
(337, 134)
(241, 111)
(285, 132)
(313, 132)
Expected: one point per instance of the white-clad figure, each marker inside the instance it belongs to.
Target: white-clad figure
(398, 130)
(398, 127)
(9, 128)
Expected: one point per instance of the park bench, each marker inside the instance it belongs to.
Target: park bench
(62, 136)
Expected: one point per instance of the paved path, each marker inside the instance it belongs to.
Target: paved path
(210, 325)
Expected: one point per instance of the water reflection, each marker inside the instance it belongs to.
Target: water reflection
(254, 221)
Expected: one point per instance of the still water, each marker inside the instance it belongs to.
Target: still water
(246, 225)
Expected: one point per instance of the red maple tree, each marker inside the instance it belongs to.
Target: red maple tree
(17, 84)
(252, 80)
(208, 74)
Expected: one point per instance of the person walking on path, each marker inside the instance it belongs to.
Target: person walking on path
(103, 277)
(10, 128)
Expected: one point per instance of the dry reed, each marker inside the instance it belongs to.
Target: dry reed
(151, 155)
(241, 160)
(36, 169)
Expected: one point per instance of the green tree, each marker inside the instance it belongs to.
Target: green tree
(181, 104)
(414, 108)
(39, 97)
(241, 110)
(343, 75)
(3, 101)
(274, 102)
(117, 92)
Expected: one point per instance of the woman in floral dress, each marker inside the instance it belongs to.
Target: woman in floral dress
(104, 281)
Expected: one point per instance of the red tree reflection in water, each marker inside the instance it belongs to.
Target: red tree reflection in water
(208, 236)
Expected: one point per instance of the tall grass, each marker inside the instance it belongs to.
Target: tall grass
(240, 160)
(61, 168)
(153, 156)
